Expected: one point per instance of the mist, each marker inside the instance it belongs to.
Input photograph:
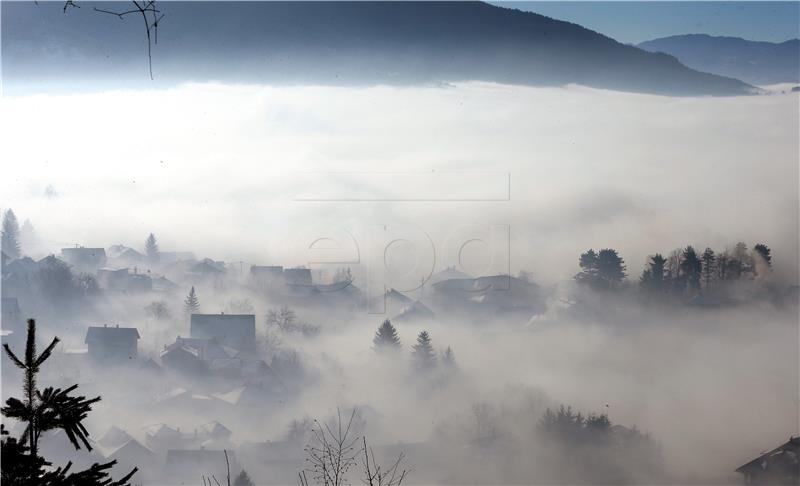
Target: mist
(243, 175)
(586, 168)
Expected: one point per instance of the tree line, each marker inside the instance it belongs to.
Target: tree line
(681, 271)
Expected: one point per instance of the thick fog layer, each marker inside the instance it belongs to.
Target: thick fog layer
(396, 184)
(226, 164)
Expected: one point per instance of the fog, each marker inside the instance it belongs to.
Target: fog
(226, 163)
(242, 174)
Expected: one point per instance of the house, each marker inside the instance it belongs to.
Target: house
(300, 277)
(207, 268)
(235, 330)
(195, 355)
(214, 435)
(86, 260)
(214, 430)
(488, 296)
(114, 438)
(449, 273)
(266, 277)
(778, 466)
(416, 312)
(139, 282)
(163, 284)
(160, 437)
(122, 280)
(113, 279)
(112, 343)
(124, 255)
(133, 454)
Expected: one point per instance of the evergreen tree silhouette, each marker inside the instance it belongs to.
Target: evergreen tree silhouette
(423, 355)
(610, 266)
(601, 270)
(764, 252)
(243, 479)
(192, 304)
(709, 260)
(691, 267)
(9, 237)
(41, 411)
(151, 248)
(654, 277)
(386, 338)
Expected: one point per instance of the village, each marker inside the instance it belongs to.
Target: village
(216, 370)
(199, 347)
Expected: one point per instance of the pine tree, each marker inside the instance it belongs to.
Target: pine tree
(601, 270)
(723, 263)
(709, 260)
(423, 355)
(192, 304)
(588, 264)
(691, 267)
(654, 277)
(42, 411)
(742, 262)
(151, 248)
(610, 266)
(764, 252)
(243, 479)
(10, 235)
(386, 338)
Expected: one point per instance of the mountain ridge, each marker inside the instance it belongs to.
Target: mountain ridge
(755, 62)
(341, 43)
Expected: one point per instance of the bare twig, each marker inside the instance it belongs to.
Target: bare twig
(227, 466)
(68, 4)
(150, 26)
(375, 475)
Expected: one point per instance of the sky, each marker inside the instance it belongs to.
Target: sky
(634, 22)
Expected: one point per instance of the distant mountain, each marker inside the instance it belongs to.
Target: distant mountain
(751, 61)
(341, 43)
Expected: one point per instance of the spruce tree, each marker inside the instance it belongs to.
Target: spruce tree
(42, 411)
(691, 267)
(243, 479)
(601, 270)
(386, 338)
(610, 266)
(10, 235)
(764, 252)
(709, 260)
(151, 248)
(423, 355)
(192, 304)
(654, 277)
